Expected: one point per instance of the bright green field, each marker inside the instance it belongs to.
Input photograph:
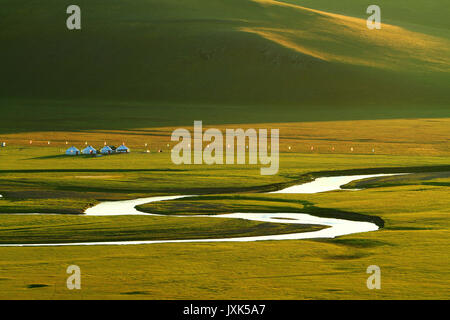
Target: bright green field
(148, 63)
(411, 248)
(412, 252)
(37, 179)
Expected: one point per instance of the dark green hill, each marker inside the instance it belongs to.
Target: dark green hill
(141, 63)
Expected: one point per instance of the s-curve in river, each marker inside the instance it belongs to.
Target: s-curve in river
(334, 227)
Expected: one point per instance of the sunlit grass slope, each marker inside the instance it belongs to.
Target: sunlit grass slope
(145, 63)
(428, 17)
(334, 37)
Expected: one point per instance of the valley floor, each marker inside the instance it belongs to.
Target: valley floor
(411, 249)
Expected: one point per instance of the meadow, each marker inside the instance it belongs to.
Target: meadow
(412, 251)
(147, 63)
(40, 177)
(411, 247)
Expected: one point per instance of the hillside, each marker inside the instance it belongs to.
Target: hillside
(142, 63)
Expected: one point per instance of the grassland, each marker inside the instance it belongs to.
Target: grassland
(67, 229)
(148, 63)
(397, 137)
(39, 178)
(347, 100)
(411, 248)
(411, 251)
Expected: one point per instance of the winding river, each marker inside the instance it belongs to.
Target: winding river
(334, 227)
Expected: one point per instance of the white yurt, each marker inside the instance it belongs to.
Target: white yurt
(106, 150)
(89, 150)
(123, 149)
(72, 151)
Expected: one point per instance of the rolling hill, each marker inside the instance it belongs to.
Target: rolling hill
(143, 63)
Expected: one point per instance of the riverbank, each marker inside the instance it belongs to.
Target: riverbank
(335, 227)
(128, 207)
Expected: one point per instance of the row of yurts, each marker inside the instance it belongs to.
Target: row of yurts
(73, 151)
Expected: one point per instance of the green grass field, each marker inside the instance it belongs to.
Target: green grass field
(148, 63)
(39, 179)
(411, 250)
(347, 100)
